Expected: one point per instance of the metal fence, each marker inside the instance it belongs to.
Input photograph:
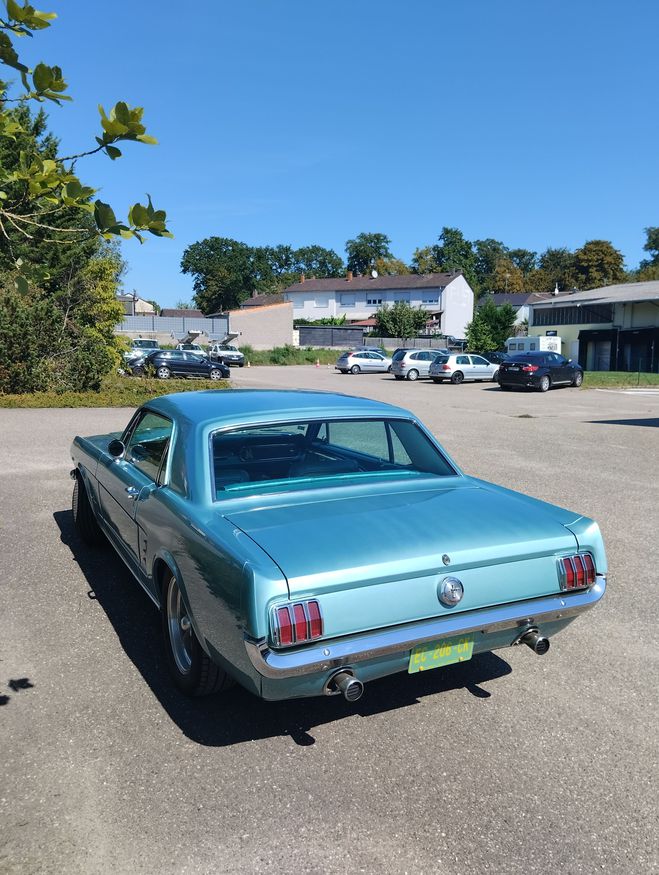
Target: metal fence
(345, 336)
(176, 325)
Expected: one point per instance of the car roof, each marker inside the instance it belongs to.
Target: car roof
(244, 406)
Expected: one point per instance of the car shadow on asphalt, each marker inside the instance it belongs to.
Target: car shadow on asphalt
(651, 422)
(237, 716)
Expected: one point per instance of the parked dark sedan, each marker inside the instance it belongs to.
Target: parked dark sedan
(539, 370)
(494, 356)
(168, 363)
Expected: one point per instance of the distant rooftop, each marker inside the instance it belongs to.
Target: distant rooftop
(399, 281)
(616, 294)
(188, 314)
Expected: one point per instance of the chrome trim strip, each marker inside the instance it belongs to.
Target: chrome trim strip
(330, 655)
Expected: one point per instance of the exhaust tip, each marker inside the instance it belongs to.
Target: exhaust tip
(346, 683)
(537, 642)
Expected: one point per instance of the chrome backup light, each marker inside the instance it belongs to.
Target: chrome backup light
(296, 623)
(576, 572)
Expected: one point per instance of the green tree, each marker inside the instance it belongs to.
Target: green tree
(364, 251)
(40, 183)
(318, 262)
(507, 277)
(490, 327)
(391, 267)
(487, 254)
(598, 264)
(424, 261)
(649, 268)
(558, 269)
(523, 259)
(399, 320)
(454, 252)
(223, 272)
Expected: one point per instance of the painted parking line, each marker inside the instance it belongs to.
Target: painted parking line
(631, 391)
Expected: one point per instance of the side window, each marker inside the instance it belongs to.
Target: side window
(148, 444)
(463, 360)
(477, 360)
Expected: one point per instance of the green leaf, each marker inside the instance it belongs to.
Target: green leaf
(8, 54)
(104, 216)
(145, 138)
(14, 10)
(113, 152)
(42, 77)
(22, 285)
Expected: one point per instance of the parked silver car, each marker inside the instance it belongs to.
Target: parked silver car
(224, 352)
(411, 364)
(460, 367)
(356, 361)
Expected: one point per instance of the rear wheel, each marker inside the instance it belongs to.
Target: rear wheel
(83, 515)
(544, 383)
(194, 672)
(138, 372)
(457, 378)
(413, 375)
(163, 373)
(355, 369)
(577, 380)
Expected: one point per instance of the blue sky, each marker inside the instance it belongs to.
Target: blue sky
(302, 122)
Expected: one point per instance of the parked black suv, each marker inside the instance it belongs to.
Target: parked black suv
(539, 370)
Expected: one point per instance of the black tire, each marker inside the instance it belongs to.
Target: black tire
(163, 373)
(83, 515)
(544, 383)
(138, 372)
(495, 377)
(413, 375)
(241, 364)
(216, 374)
(577, 380)
(192, 670)
(457, 378)
(389, 369)
(355, 369)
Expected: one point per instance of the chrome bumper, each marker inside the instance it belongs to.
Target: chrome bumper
(330, 655)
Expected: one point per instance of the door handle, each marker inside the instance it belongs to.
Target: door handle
(132, 492)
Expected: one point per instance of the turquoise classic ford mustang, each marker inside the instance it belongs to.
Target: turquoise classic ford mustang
(304, 543)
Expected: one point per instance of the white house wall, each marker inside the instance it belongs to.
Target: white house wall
(456, 300)
(458, 307)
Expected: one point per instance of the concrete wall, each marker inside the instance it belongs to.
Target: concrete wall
(643, 314)
(263, 327)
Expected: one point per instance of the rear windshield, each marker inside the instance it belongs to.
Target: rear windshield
(399, 354)
(527, 359)
(339, 449)
(441, 359)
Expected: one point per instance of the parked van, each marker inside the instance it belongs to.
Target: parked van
(541, 343)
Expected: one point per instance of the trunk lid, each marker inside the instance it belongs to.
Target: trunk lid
(375, 559)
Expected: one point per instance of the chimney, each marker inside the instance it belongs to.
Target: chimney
(302, 277)
(349, 276)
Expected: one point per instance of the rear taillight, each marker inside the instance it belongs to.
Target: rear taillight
(446, 367)
(529, 369)
(297, 623)
(576, 572)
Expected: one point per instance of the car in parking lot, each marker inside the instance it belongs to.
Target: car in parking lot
(460, 367)
(305, 543)
(494, 356)
(166, 363)
(192, 347)
(539, 370)
(224, 352)
(139, 348)
(359, 361)
(410, 364)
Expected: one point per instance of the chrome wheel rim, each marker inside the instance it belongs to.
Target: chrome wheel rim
(179, 628)
(163, 373)
(216, 375)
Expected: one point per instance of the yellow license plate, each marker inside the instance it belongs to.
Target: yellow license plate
(438, 653)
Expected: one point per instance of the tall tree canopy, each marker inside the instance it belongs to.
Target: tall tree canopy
(597, 264)
(490, 327)
(364, 251)
(399, 320)
(226, 272)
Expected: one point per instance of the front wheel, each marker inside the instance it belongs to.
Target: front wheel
(544, 383)
(215, 374)
(412, 375)
(194, 672)
(457, 378)
(577, 380)
(355, 369)
(495, 377)
(163, 373)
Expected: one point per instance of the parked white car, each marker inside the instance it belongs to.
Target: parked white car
(192, 347)
(140, 347)
(460, 367)
(356, 361)
(410, 364)
(224, 352)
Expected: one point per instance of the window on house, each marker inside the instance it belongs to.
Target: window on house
(321, 302)
(374, 301)
(347, 300)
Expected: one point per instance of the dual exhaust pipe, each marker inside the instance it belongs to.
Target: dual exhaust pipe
(353, 689)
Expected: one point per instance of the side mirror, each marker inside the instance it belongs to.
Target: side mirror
(116, 448)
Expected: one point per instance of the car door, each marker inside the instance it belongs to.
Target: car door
(127, 482)
(481, 369)
(563, 369)
(462, 363)
(426, 358)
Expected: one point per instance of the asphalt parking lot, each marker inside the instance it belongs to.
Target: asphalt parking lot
(509, 763)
